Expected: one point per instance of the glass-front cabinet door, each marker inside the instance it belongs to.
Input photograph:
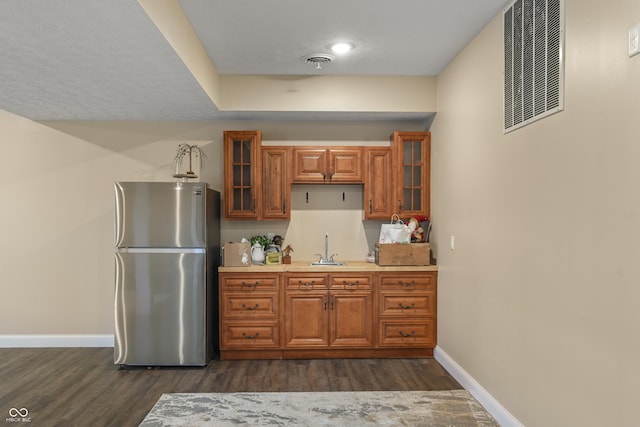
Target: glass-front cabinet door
(241, 168)
(412, 154)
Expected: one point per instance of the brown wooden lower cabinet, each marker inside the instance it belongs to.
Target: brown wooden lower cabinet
(328, 311)
(306, 319)
(249, 312)
(327, 315)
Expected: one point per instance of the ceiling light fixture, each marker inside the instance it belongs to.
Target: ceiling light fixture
(342, 47)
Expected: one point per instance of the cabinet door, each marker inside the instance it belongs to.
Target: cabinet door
(321, 165)
(276, 186)
(241, 182)
(351, 318)
(412, 157)
(378, 189)
(345, 165)
(309, 165)
(306, 319)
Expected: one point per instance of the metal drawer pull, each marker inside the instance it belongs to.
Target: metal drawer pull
(413, 283)
(407, 335)
(250, 308)
(404, 307)
(250, 337)
(306, 285)
(344, 282)
(249, 285)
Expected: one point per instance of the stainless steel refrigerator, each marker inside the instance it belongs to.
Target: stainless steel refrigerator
(167, 239)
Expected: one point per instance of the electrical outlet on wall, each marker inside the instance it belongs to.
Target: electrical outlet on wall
(634, 40)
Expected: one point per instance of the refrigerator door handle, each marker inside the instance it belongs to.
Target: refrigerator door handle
(161, 250)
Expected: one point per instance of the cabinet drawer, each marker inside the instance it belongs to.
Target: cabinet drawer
(247, 335)
(249, 305)
(406, 333)
(306, 282)
(249, 283)
(406, 304)
(351, 282)
(414, 282)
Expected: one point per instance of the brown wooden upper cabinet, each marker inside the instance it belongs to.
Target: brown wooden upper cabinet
(378, 191)
(412, 165)
(337, 165)
(276, 182)
(256, 178)
(241, 169)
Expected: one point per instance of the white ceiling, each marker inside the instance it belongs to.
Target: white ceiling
(106, 60)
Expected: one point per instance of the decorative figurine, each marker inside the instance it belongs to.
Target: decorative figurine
(188, 150)
(286, 259)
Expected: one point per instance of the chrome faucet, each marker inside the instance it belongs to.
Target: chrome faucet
(326, 259)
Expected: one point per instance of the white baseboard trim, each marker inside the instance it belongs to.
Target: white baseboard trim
(502, 416)
(24, 341)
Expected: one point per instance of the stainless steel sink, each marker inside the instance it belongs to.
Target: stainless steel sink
(328, 264)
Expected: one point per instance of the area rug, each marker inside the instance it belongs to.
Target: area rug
(451, 408)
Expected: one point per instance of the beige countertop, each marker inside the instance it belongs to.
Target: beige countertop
(303, 266)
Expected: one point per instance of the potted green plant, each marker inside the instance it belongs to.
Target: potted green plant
(260, 239)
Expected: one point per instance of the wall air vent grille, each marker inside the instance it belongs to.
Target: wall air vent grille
(533, 61)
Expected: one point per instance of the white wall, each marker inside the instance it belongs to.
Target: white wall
(538, 302)
(56, 220)
(327, 93)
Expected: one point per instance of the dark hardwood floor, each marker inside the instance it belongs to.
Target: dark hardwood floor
(82, 386)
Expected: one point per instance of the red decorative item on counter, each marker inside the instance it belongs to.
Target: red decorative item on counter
(418, 234)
